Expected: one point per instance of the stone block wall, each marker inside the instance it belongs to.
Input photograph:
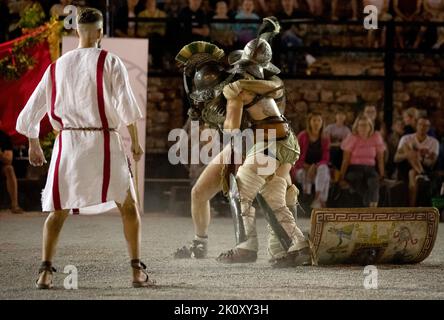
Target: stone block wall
(165, 104)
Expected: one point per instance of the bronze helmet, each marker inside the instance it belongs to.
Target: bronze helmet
(208, 82)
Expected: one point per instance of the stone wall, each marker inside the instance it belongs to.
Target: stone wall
(164, 111)
(165, 103)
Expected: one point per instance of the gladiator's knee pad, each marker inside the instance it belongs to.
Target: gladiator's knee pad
(249, 184)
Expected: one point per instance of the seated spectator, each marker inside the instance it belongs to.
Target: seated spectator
(393, 142)
(376, 38)
(363, 149)
(262, 7)
(155, 31)
(150, 29)
(434, 10)
(57, 9)
(290, 35)
(371, 111)
(344, 9)
(312, 166)
(172, 8)
(123, 27)
(246, 32)
(7, 170)
(409, 117)
(193, 22)
(418, 153)
(222, 33)
(337, 132)
(316, 7)
(406, 11)
(303, 8)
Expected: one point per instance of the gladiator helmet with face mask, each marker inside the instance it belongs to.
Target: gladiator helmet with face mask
(204, 76)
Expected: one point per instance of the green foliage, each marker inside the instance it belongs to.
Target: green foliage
(32, 17)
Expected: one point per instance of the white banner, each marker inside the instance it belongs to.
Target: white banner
(134, 54)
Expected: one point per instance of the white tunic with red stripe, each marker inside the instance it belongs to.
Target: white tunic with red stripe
(85, 88)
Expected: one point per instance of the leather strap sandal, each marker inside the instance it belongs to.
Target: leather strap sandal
(46, 266)
(139, 265)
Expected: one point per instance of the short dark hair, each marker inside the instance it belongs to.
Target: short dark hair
(89, 15)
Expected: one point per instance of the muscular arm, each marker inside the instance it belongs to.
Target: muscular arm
(234, 114)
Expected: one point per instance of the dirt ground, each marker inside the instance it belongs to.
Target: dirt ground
(95, 246)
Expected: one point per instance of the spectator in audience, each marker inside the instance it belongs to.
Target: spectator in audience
(337, 132)
(406, 11)
(291, 35)
(57, 9)
(371, 111)
(262, 8)
(246, 31)
(7, 170)
(151, 29)
(303, 8)
(434, 10)
(393, 142)
(409, 117)
(123, 27)
(172, 8)
(312, 166)
(376, 38)
(419, 152)
(344, 9)
(193, 22)
(316, 7)
(222, 33)
(363, 150)
(155, 31)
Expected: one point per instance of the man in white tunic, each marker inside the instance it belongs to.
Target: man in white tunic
(87, 95)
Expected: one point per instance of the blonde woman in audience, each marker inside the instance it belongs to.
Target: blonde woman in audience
(363, 150)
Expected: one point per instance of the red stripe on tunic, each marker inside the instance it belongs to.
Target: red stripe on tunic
(106, 134)
(54, 93)
(55, 183)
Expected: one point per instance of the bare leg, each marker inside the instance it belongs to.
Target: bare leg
(206, 187)
(132, 230)
(11, 184)
(51, 230)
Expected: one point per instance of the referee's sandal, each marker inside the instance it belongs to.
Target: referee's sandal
(139, 265)
(47, 269)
